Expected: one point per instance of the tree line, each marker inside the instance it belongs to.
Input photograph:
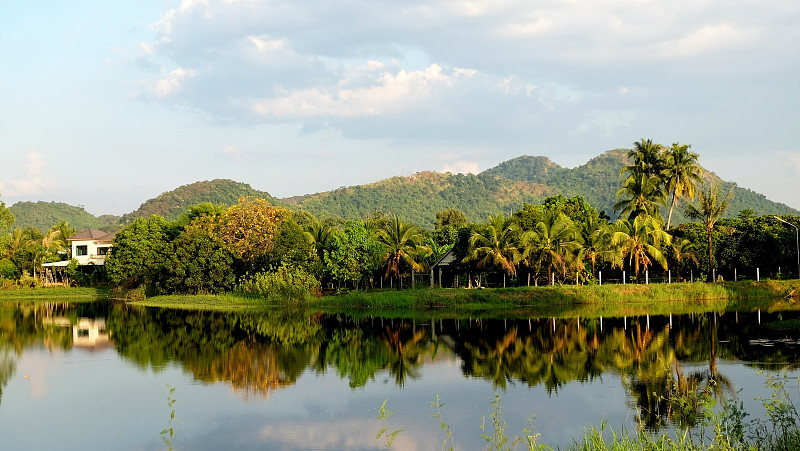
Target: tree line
(256, 247)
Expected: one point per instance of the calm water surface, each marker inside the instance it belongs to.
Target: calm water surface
(98, 376)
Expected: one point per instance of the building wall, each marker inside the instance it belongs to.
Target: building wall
(92, 255)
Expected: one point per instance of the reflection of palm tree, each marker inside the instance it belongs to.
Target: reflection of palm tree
(404, 355)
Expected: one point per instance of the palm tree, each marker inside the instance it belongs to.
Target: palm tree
(56, 239)
(681, 174)
(643, 195)
(319, 234)
(648, 158)
(553, 242)
(683, 249)
(710, 210)
(497, 244)
(640, 240)
(402, 243)
(596, 236)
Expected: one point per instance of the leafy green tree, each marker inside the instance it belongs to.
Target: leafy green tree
(292, 248)
(248, 229)
(199, 262)
(640, 240)
(681, 174)
(354, 254)
(403, 244)
(140, 252)
(450, 217)
(6, 218)
(496, 245)
(710, 209)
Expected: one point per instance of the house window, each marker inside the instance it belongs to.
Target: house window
(81, 250)
(102, 250)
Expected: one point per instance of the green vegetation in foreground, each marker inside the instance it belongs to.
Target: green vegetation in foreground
(717, 424)
(204, 302)
(63, 294)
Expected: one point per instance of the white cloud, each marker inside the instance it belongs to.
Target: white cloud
(171, 83)
(388, 93)
(34, 182)
(461, 167)
(791, 160)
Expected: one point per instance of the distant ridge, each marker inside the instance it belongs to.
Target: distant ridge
(171, 204)
(417, 198)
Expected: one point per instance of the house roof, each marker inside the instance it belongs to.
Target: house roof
(447, 259)
(92, 234)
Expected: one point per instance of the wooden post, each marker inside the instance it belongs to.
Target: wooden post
(600, 277)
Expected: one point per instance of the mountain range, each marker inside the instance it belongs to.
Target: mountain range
(416, 198)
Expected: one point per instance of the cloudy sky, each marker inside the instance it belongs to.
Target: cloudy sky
(107, 104)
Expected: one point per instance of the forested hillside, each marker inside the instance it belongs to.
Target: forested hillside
(42, 215)
(172, 203)
(416, 198)
(504, 188)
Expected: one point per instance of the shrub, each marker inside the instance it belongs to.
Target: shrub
(285, 284)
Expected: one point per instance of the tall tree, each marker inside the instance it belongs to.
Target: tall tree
(640, 240)
(552, 243)
(6, 218)
(681, 175)
(710, 209)
(402, 243)
(647, 158)
(641, 194)
(496, 244)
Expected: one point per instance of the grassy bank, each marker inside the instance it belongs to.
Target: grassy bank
(559, 301)
(588, 300)
(60, 294)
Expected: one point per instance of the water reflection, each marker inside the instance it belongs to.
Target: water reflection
(257, 353)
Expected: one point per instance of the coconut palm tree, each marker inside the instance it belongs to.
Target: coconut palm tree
(711, 208)
(641, 194)
(647, 158)
(402, 243)
(596, 237)
(640, 240)
(319, 234)
(497, 245)
(55, 241)
(553, 242)
(683, 249)
(681, 175)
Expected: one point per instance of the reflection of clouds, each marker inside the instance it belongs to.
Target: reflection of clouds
(37, 368)
(346, 434)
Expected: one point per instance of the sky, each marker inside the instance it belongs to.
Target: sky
(108, 104)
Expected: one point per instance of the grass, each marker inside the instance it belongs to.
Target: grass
(82, 294)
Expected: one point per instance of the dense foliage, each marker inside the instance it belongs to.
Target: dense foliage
(258, 247)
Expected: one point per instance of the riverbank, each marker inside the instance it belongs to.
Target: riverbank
(59, 294)
(558, 300)
(589, 300)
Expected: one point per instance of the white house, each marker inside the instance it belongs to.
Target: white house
(89, 247)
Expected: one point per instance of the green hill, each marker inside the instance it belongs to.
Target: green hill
(43, 215)
(171, 204)
(504, 188)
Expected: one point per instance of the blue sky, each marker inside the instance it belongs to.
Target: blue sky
(107, 104)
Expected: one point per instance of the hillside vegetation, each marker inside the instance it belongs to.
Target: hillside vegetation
(504, 188)
(171, 204)
(417, 198)
(42, 215)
